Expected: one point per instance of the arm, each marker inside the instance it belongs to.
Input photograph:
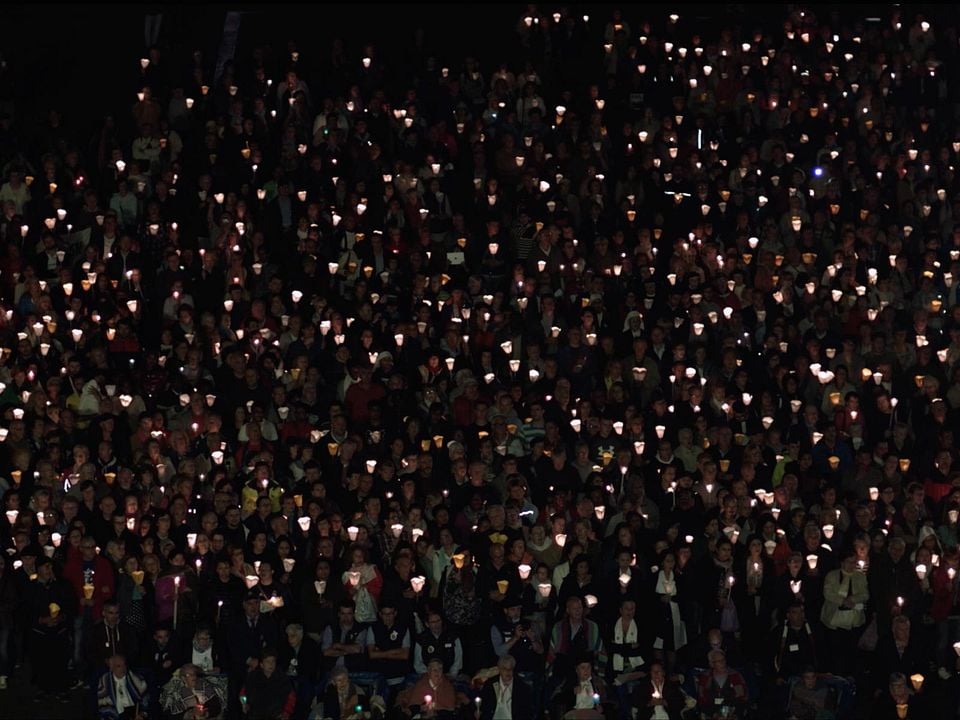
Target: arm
(500, 648)
(400, 653)
(104, 700)
(831, 589)
(739, 687)
(599, 649)
(860, 592)
(552, 649)
(330, 648)
(288, 705)
(418, 665)
(457, 666)
(703, 692)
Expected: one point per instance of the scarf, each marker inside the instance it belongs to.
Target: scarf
(203, 659)
(177, 698)
(563, 639)
(679, 629)
(620, 638)
(107, 702)
(540, 548)
(783, 644)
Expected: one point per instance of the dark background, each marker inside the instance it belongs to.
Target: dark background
(82, 59)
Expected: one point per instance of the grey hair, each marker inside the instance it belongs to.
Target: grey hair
(507, 662)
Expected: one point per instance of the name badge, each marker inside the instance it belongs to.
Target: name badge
(718, 701)
(794, 648)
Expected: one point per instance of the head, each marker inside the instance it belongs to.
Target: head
(506, 666)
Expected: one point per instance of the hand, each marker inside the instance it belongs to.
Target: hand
(848, 603)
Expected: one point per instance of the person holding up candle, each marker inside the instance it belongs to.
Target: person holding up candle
(754, 575)
(945, 609)
(658, 697)
(363, 583)
(845, 592)
(901, 702)
(433, 694)
(343, 699)
(583, 695)
(190, 695)
(86, 567)
(51, 606)
(319, 599)
(901, 650)
(669, 628)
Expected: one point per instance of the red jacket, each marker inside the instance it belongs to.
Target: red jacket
(944, 592)
(103, 580)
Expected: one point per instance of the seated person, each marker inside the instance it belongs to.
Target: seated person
(658, 697)
(900, 701)
(191, 696)
(120, 693)
(811, 699)
(267, 693)
(300, 659)
(343, 700)
(505, 697)
(164, 655)
(432, 694)
(722, 690)
(203, 653)
(584, 695)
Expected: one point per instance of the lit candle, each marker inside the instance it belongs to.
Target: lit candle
(176, 598)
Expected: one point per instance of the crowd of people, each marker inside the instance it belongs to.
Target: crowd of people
(616, 380)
